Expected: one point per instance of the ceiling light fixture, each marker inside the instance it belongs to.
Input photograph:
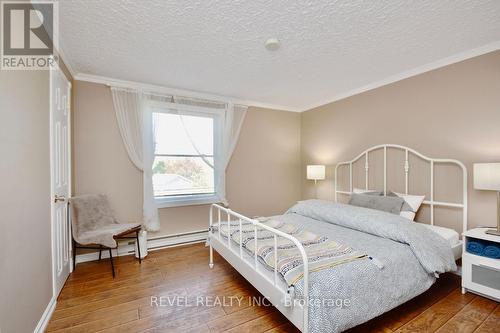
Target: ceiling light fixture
(272, 44)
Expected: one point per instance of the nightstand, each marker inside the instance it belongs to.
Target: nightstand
(480, 275)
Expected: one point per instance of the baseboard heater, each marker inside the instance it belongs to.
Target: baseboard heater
(177, 240)
(156, 243)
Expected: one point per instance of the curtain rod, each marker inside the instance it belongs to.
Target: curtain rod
(166, 94)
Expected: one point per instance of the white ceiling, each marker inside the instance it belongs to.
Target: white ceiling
(330, 49)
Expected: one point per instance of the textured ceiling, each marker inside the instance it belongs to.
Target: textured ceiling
(329, 48)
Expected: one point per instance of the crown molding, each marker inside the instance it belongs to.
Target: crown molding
(389, 80)
(175, 91)
(412, 72)
(63, 57)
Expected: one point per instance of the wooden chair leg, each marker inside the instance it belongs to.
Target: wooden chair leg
(112, 265)
(138, 245)
(100, 252)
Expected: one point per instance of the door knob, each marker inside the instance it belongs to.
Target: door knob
(58, 198)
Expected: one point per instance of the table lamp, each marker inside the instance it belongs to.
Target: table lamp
(487, 177)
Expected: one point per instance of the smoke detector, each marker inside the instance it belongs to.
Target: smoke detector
(272, 44)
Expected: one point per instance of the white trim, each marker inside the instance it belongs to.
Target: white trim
(198, 111)
(157, 243)
(391, 79)
(412, 72)
(47, 314)
(174, 240)
(494, 46)
(92, 256)
(63, 57)
(52, 74)
(175, 91)
(186, 200)
(70, 168)
(176, 108)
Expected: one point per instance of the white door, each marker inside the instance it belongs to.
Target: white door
(60, 89)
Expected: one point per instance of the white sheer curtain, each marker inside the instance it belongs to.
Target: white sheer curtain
(127, 105)
(136, 126)
(234, 116)
(232, 120)
(150, 210)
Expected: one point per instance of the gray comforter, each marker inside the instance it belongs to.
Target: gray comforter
(407, 258)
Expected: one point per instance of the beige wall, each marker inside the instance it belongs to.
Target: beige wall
(261, 177)
(101, 164)
(25, 263)
(26, 260)
(452, 112)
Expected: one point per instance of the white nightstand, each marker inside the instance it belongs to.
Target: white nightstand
(480, 275)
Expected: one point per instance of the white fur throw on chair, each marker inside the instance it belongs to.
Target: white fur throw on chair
(93, 222)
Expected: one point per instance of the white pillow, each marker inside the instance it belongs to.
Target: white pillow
(362, 191)
(407, 215)
(413, 203)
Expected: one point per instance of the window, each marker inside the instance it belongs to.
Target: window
(184, 169)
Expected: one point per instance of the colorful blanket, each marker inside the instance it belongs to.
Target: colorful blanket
(321, 252)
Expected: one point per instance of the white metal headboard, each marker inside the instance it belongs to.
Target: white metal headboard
(432, 203)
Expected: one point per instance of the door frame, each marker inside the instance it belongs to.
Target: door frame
(70, 174)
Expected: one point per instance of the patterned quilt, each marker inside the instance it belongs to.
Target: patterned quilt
(321, 251)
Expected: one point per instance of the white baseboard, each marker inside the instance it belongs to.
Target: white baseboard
(84, 257)
(153, 244)
(47, 314)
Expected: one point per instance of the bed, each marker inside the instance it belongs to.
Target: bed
(389, 260)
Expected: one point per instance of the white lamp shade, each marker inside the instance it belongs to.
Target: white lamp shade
(487, 176)
(316, 172)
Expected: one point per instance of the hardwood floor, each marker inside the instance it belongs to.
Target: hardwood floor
(92, 301)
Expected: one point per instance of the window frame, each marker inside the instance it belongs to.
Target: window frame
(197, 111)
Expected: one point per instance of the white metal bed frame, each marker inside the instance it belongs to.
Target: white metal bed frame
(297, 312)
(406, 167)
(457, 249)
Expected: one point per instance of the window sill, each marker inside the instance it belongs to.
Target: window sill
(186, 200)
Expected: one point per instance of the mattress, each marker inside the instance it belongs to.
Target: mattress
(449, 234)
(371, 289)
